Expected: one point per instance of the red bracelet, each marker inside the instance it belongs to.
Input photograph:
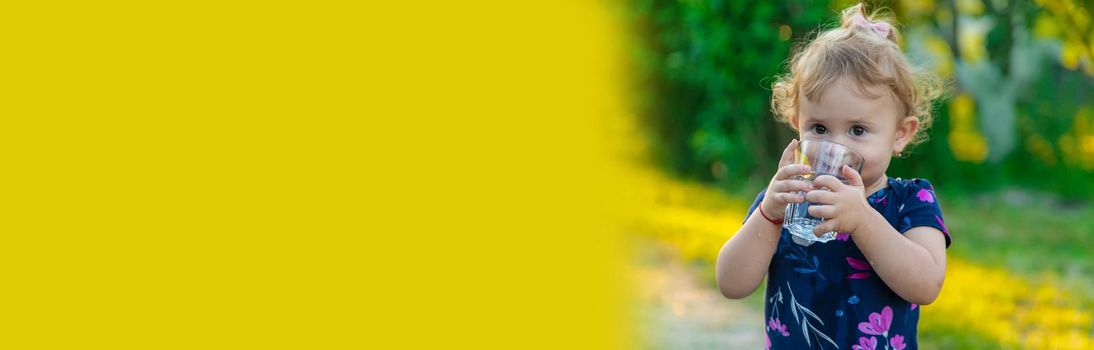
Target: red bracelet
(773, 221)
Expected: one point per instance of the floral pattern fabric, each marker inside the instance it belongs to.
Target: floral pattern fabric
(827, 296)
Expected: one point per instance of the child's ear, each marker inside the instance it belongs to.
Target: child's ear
(905, 131)
(793, 122)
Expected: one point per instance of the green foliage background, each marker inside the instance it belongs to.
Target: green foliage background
(702, 72)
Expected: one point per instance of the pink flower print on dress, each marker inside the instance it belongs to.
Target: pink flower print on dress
(767, 342)
(863, 268)
(879, 323)
(898, 342)
(865, 344)
(843, 236)
(775, 325)
(940, 223)
(925, 196)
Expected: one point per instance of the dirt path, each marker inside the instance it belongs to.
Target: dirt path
(680, 310)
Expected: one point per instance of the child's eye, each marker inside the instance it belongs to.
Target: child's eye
(820, 129)
(858, 130)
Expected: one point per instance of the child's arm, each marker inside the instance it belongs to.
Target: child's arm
(913, 264)
(744, 259)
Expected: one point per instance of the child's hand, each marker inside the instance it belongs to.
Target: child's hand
(782, 189)
(843, 207)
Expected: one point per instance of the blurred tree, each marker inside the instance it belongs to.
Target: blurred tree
(704, 71)
(997, 62)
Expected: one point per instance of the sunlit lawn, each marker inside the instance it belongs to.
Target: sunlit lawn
(1027, 256)
(1018, 275)
(1032, 235)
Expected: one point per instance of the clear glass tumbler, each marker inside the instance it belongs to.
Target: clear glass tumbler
(825, 158)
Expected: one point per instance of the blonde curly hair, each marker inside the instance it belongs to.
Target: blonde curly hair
(871, 57)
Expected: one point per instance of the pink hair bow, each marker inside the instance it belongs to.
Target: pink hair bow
(879, 28)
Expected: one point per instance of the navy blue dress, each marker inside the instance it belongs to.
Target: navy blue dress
(827, 296)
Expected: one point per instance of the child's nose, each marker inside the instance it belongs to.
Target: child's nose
(836, 137)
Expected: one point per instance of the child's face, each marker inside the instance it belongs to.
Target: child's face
(872, 127)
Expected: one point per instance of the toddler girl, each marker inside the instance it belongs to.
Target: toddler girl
(853, 86)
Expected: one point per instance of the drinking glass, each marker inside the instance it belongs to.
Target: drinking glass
(824, 158)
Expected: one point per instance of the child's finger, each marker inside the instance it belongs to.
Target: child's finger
(820, 197)
(852, 176)
(788, 153)
(824, 227)
(829, 181)
(791, 170)
(822, 211)
(791, 186)
(790, 197)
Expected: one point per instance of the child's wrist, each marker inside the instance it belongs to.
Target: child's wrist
(869, 218)
(774, 218)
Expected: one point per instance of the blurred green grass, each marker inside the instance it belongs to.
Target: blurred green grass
(1031, 234)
